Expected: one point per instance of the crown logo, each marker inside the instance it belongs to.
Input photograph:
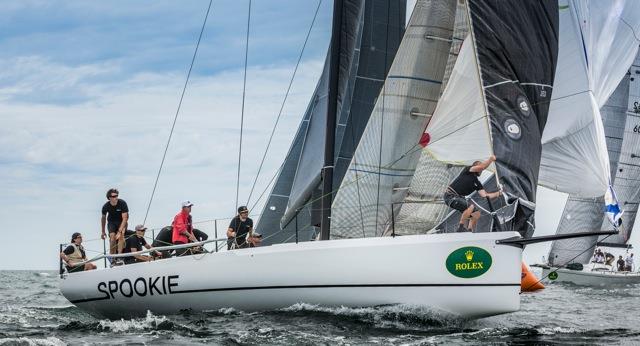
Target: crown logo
(469, 255)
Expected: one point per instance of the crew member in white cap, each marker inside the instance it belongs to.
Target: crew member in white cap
(183, 227)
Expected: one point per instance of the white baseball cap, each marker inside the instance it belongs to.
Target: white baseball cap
(186, 204)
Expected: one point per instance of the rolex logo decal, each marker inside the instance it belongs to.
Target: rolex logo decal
(468, 262)
(469, 255)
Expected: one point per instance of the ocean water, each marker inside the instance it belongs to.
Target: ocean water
(33, 312)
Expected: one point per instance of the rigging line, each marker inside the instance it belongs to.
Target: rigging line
(295, 70)
(175, 118)
(244, 89)
(384, 88)
(569, 261)
(416, 147)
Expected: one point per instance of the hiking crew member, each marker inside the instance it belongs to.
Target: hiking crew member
(183, 228)
(462, 186)
(136, 243)
(75, 254)
(115, 214)
(240, 231)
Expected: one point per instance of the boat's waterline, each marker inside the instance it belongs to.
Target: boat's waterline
(465, 274)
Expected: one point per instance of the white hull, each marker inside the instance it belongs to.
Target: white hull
(355, 273)
(587, 277)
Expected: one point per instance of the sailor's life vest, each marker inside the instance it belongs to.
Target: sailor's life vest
(77, 256)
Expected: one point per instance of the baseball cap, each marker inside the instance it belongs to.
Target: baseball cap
(140, 228)
(242, 208)
(186, 204)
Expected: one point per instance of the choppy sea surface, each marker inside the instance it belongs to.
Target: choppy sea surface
(33, 312)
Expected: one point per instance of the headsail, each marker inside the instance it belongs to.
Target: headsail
(516, 50)
(368, 29)
(423, 208)
(387, 153)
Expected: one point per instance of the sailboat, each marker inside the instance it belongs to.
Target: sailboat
(492, 95)
(574, 260)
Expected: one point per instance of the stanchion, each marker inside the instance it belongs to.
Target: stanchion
(104, 251)
(61, 267)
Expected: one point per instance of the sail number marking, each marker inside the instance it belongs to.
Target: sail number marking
(141, 286)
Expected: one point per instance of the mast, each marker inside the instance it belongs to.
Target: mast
(329, 143)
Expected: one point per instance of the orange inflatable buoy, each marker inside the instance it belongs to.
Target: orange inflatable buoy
(529, 282)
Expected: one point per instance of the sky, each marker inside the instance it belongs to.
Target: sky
(88, 92)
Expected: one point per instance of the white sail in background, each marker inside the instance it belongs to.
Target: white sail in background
(597, 46)
(582, 214)
(626, 182)
(388, 151)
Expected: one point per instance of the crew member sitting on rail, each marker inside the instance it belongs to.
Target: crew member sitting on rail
(183, 228)
(240, 232)
(75, 254)
(465, 184)
(136, 243)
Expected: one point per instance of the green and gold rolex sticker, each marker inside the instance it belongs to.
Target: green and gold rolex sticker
(468, 262)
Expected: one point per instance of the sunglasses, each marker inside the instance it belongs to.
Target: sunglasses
(113, 196)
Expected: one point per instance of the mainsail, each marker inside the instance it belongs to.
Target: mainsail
(387, 152)
(371, 31)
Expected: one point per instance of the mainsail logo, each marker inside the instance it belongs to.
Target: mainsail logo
(469, 262)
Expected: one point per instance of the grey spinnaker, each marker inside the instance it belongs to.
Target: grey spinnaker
(372, 29)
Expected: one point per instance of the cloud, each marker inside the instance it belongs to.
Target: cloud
(59, 154)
